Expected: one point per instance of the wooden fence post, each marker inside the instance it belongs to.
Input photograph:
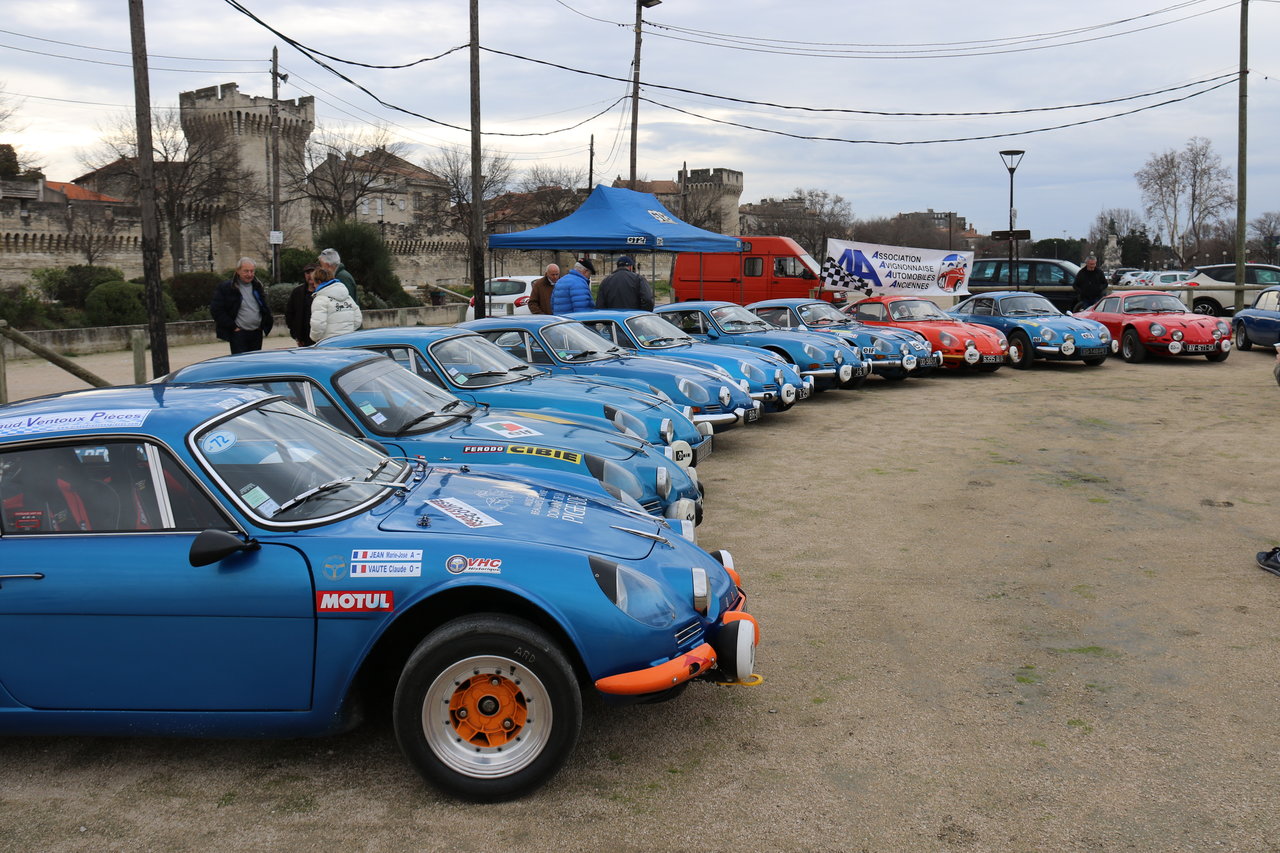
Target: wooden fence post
(138, 341)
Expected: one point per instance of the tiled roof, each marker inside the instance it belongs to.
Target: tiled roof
(77, 193)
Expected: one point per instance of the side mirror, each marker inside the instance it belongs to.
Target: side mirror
(211, 545)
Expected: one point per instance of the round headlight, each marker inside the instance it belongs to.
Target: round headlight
(1047, 334)
(1223, 328)
(812, 352)
(839, 357)
(1177, 334)
(701, 590)
(778, 376)
(725, 395)
(948, 340)
(752, 373)
(744, 385)
(693, 390)
(667, 430)
(1157, 330)
(663, 483)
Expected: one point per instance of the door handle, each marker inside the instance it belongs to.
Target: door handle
(31, 576)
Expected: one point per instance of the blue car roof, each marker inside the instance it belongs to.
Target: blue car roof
(788, 301)
(605, 314)
(517, 321)
(279, 362)
(158, 409)
(701, 304)
(1001, 294)
(397, 334)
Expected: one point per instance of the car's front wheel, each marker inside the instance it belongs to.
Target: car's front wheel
(487, 707)
(1206, 306)
(1242, 338)
(1021, 355)
(1131, 348)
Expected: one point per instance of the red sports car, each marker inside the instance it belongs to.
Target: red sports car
(961, 344)
(1156, 321)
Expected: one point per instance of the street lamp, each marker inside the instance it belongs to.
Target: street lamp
(635, 86)
(1011, 160)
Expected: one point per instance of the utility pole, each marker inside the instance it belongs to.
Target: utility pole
(591, 164)
(1242, 150)
(641, 5)
(275, 165)
(477, 183)
(153, 295)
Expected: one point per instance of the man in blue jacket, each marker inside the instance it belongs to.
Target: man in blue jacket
(573, 290)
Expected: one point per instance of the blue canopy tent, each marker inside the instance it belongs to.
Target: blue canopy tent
(618, 220)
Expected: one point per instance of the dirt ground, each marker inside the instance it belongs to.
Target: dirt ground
(1016, 612)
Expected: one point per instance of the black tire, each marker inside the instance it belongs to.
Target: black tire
(1207, 307)
(1242, 338)
(987, 368)
(505, 709)
(1217, 356)
(1131, 348)
(1021, 355)
(1094, 362)
(896, 375)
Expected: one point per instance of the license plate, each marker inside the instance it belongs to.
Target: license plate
(803, 392)
(1087, 352)
(702, 451)
(1198, 348)
(753, 415)
(992, 359)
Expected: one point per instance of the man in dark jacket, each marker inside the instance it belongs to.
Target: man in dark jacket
(239, 309)
(625, 289)
(297, 314)
(1090, 284)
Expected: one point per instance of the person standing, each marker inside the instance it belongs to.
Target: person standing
(1090, 284)
(297, 314)
(333, 311)
(540, 299)
(239, 309)
(625, 289)
(573, 290)
(333, 268)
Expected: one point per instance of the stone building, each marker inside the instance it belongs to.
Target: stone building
(706, 198)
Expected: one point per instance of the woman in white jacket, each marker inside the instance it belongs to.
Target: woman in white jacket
(333, 311)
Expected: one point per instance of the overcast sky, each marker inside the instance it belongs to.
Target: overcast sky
(65, 65)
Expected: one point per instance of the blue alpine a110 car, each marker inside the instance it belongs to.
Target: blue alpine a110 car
(367, 395)
(1036, 328)
(830, 363)
(894, 354)
(564, 346)
(212, 561)
(770, 380)
(1260, 322)
(479, 371)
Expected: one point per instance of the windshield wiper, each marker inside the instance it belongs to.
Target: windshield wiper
(425, 416)
(487, 373)
(327, 487)
(581, 355)
(377, 469)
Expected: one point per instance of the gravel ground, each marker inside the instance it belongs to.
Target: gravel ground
(1015, 611)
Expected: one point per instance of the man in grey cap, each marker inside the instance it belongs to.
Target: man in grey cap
(625, 289)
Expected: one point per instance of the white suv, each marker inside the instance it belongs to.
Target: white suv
(508, 294)
(1210, 300)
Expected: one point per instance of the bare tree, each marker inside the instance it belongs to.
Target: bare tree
(92, 228)
(453, 165)
(552, 192)
(907, 230)
(338, 171)
(1121, 221)
(809, 217)
(1266, 229)
(197, 171)
(1184, 191)
(14, 162)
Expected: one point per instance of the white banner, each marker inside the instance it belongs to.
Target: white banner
(875, 269)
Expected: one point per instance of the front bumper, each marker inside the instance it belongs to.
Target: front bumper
(686, 666)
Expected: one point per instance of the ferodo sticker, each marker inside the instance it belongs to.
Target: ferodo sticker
(546, 453)
(68, 421)
(509, 429)
(463, 513)
(355, 602)
(484, 448)
(460, 564)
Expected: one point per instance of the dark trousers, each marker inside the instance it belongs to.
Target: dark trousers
(246, 340)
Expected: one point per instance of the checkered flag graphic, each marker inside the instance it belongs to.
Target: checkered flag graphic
(834, 275)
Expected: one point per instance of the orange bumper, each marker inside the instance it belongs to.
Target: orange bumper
(661, 677)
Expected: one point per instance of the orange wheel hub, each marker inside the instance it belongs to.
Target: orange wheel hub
(488, 710)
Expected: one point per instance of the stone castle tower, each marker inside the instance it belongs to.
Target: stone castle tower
(712, 197)
(247, 120)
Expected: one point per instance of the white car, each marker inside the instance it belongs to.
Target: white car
(1208, 300)
(508, 294)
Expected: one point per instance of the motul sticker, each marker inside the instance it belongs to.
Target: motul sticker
(509, 429)
(463, 513)
(459, 564)
(354, 602)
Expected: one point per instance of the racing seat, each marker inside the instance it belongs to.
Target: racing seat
(43, 497)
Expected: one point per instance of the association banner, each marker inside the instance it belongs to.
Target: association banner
(875, 269)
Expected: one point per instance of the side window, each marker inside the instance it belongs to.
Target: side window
(985, 307)
(752, 267)
(1110, 305)
(512, 342)
(1268, 301)
(402, 356)
(311, 398)
(871, 311)
(984, 271)
(99, 487)
(688, 321)
(1266, 276)
(537, 355)
(776, 316)
(1050, 274)
(1021, 272)
(605, 330)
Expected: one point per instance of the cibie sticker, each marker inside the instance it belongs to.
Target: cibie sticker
(463, 513)
(459, 564)
(509, 429)
(68, 421)
(546, 453)
(217, 441)
(354, 602)
(386, 563)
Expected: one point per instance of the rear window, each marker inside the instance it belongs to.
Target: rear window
(505, 287)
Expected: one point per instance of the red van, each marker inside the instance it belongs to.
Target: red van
(766, 268)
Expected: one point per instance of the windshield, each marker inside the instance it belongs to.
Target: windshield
(269, 458)
(1153, 303)
(916, 309)
(571, 341)
(654, 332)
(392, 401)
(470, 361)
(820, 314)
(1030, 305)
(735, 318)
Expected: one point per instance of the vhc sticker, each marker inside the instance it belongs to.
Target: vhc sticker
(460, 564)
